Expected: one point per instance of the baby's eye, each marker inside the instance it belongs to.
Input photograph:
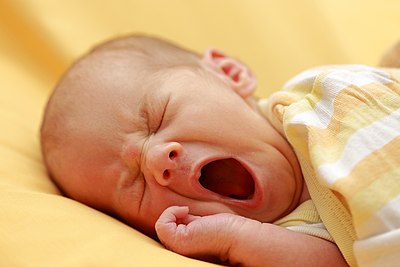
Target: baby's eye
(157, 116)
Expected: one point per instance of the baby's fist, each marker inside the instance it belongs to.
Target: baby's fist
(207, 237)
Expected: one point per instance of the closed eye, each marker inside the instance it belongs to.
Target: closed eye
(152, 112)
(164, 111)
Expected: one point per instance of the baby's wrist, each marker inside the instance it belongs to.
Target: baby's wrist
(242, 233)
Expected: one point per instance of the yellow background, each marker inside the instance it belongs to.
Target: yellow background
(277, 39)
(39, 39)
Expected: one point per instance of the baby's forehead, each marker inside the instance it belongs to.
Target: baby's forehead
(124, 80)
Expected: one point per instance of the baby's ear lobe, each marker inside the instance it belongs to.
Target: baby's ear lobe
(231, 70)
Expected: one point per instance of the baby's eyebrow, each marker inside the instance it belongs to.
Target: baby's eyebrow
(138, 117)
(144, 113)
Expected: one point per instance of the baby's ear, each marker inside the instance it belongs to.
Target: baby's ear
(231, 70)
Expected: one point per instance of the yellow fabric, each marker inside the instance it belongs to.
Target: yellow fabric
(305, 213)
(343, 123)
(305, 219)
(40, 38)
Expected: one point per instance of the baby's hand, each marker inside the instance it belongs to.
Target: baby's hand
(207, 238)
(242, 241)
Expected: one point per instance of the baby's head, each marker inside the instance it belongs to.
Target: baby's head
(139, 124)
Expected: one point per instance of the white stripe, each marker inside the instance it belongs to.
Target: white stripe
(386, 219)
(379, 238)
(331, 85)
(381, 250)
(304, 78)
(307, 77)
(360, 144)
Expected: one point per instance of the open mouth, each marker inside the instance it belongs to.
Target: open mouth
(227, 177)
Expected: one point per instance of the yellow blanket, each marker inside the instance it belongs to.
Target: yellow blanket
(39, 39)
(344, 124)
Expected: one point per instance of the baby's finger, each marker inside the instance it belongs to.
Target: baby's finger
(190, 218)
(169, 220)
(173, 214)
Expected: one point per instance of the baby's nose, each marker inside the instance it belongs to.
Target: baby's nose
(162, 160)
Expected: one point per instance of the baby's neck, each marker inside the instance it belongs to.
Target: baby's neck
(252, 102)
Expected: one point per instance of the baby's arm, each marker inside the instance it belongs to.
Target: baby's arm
(242, 241)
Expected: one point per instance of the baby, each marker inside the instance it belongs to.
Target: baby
(174, 144)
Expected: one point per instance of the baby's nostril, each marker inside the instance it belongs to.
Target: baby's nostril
(166, 174)
(172, 154)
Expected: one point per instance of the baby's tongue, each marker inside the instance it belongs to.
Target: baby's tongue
(227, 177)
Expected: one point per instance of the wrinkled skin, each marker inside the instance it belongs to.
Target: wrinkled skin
(209, 237)
(236, 240)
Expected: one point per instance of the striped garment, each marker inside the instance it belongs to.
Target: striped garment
(344, 125)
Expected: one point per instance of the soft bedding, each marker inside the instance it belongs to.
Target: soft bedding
(39, 39)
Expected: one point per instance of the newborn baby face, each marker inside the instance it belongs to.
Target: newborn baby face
(178, 137)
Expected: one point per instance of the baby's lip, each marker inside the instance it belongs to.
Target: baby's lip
(244, 190)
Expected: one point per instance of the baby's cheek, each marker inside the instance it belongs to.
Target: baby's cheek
(131, 151)
(132, 148)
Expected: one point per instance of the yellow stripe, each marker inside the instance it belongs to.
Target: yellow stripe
(366, 203)
(373, 182)
(369, 169)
